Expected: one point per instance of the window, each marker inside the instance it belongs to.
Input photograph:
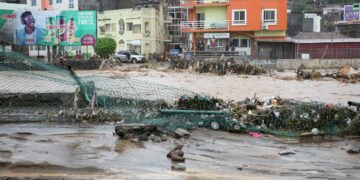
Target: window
(137, 28)
(269, 16)
(107, 27)
(242, 42)
(129, 26)
(220, 43)
(58, 1)
(121, 25)
(71, 4)
(239, 17)
(113, 27)
(104, 29)
(121, 43)
(51, 2)
(200, 18)
(33, 2)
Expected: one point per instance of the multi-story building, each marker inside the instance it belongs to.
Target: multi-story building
(177, 15)
(61, 4)
(233, 25)
(142, 29)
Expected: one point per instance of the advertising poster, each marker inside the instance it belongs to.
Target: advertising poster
(48, 28)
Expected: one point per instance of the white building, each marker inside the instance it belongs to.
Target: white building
(316, 21)
(53, 4)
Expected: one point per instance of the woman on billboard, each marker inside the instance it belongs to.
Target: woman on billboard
(30, 34)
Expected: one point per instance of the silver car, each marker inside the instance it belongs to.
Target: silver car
(130, 56)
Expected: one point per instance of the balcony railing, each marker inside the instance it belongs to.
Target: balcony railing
(205, 25)
(203, 2)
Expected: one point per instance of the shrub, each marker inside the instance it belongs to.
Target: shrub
(105, 47)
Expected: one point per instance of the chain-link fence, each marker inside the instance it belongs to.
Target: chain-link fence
(35, 88)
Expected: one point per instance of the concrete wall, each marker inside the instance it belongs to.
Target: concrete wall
(213, 15)
(309, 64)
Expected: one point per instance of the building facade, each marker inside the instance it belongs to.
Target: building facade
(140, 29)
(326, 45)
(233, 25)
(177, 15)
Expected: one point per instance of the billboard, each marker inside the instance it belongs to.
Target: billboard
(48, 28)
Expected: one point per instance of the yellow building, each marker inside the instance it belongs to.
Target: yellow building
(140, 29)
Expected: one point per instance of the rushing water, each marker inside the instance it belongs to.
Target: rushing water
(92, 151)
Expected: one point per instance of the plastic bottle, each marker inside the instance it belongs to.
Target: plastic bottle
(50, 25)
(71, 31)
(62, 28)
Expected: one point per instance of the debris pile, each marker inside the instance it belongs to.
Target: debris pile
(286, 152)
(109, 63)
(303, 73)
(177, 157)
(216, 66)
(139, 132)
(345, 73)
(273, 115)
(285, 115)
(354, 126)
(89, 115)
(177, 154)
(180, 133)
(198, 103)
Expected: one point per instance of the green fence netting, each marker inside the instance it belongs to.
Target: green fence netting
(35, 87)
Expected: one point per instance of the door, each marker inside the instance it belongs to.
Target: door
(121, 56)
(127, 56)
(200, 20)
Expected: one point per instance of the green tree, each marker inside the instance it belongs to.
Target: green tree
(104, 47)
(299, 7)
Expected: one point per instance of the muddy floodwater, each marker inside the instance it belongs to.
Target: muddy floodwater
(86, 151)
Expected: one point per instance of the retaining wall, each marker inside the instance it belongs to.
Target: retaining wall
(310, 64)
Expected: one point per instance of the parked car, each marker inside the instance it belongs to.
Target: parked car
(174, 53)
(130, 56)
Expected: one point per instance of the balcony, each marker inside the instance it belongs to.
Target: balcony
(203, 3)
(205, 26)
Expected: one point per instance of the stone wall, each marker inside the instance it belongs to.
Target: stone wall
(83, 64)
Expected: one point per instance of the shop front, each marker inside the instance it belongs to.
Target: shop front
(223, 42)
(213, 42)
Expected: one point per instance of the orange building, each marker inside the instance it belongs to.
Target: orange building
(233, 25)
(46, 5)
